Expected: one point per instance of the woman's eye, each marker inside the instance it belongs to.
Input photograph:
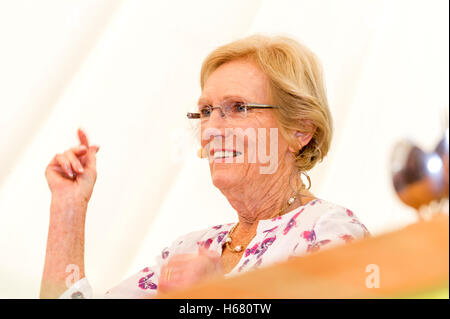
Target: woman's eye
(205, 111)
(239, 107)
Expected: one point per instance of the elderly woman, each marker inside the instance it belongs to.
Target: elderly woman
(267, 93)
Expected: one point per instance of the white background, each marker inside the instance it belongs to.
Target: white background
(127, 72)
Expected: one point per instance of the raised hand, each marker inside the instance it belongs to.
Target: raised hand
(71, 175)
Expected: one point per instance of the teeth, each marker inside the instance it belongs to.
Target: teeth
(225, 154)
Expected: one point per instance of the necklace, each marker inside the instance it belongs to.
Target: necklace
(238, 248)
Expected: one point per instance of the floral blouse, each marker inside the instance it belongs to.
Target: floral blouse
(316, 225)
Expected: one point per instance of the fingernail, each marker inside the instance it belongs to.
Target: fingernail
(80, 169)
(69, 170)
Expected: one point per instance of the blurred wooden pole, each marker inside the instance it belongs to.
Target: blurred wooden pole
(410, 261)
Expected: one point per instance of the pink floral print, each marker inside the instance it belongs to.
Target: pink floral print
(303, 230)
(146, 283)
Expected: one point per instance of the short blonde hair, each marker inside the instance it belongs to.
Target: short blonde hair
(296, 85)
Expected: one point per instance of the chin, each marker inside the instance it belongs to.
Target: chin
(223, 176)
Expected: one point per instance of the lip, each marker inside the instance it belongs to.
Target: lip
(223, 150)
(225, 159)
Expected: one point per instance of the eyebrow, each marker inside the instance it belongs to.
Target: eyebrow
(228, 96)
(202, 101)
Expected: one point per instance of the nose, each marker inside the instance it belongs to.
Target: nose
(216, 112)
(217, 118)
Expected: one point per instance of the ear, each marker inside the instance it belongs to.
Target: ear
(303, 140)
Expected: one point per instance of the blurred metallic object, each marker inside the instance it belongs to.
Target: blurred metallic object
(442, 150)
(420, 178)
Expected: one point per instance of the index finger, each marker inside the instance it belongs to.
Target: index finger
(83, 138)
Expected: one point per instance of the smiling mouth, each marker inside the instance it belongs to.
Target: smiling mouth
(219, 154)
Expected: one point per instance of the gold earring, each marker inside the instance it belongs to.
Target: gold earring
(307, 177)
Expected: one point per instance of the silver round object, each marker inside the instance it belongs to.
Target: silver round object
(442, 150)
(418, 177)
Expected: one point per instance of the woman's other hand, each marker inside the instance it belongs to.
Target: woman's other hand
(184, 270)
(71, 175)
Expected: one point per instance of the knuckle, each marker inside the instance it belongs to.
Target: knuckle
(68, 153)
(60, 158)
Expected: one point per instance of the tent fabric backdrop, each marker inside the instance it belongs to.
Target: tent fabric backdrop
(127, 72)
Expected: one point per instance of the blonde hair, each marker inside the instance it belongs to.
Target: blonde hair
(296, 86)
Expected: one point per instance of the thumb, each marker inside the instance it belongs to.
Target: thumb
(213, 257)
(202, 251)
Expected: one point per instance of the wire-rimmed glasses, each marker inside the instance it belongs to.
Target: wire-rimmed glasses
(230, 109)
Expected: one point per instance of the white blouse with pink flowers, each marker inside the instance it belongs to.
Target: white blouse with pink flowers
(316, 225)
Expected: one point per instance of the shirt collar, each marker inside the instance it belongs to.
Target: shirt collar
(264, 224)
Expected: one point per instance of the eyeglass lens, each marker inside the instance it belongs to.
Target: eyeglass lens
(230, 109)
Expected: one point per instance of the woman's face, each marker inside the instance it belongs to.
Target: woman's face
(241, 150)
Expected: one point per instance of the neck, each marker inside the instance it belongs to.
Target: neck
(264, 199)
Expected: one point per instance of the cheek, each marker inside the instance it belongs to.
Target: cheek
(272, 137)
(201, 132)
(282, 144)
